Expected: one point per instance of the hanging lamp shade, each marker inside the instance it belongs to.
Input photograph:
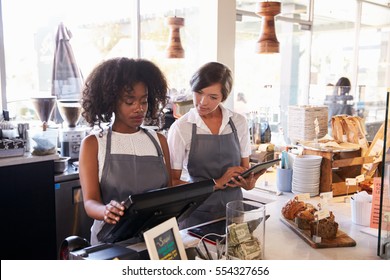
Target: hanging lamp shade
(267, 42)
(174, 48)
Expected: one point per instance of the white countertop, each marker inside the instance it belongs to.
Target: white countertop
(26, 158)
(282, 243)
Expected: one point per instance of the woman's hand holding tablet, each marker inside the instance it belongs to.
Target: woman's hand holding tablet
(257, 168)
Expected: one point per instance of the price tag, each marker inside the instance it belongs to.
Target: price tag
(360, 178)
(322, 214)
(324, 199)
(303, 196)
(362, 142)
(326, 195)
(350, 181)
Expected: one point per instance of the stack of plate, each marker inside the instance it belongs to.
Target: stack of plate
(306, 175)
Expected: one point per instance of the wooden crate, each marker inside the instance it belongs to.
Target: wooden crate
(336, 167)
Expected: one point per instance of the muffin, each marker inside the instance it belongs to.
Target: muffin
(305, 217)
(327, 228)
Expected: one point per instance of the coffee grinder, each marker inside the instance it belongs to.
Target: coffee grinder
(36, 136)
(44, 107)
(70, 135)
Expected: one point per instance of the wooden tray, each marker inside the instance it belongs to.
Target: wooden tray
(342, 239)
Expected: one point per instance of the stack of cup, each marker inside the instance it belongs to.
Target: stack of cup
(361, 208)
(283, 179)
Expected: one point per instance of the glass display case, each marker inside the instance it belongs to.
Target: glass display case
(384, 221)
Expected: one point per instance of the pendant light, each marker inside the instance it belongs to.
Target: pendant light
(174, 49)
(267, 42)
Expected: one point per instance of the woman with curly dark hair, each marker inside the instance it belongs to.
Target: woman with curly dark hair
(118, 161)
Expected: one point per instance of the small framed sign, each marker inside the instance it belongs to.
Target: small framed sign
(164, 242)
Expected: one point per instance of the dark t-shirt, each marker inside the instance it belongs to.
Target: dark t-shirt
(337, 105)
(339, 109)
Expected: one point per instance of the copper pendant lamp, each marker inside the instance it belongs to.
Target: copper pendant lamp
(267, 42)
(174, 49)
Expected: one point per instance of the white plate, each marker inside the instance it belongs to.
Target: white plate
(305, 189)
(308, 158)
(306, 165)
(306, 178)
(306, 173)
(296, 188)
(314, 188)
(306, 184)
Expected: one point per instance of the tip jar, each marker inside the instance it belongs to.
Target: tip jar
(245, 230)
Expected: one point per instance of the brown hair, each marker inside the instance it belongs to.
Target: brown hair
(212, 73)
(342, 87)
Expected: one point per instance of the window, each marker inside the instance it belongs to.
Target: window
(268, 83)
(109, 31)
(299, 74)
(359, 32)
(29, 42)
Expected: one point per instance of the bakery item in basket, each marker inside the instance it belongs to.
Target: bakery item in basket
(327, 228)
(291, 208)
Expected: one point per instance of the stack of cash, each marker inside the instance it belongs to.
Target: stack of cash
(242, 244)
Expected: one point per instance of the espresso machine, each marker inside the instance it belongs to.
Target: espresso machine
(71, 135)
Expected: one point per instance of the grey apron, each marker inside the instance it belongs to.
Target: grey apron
(210, 156)
(124, 175)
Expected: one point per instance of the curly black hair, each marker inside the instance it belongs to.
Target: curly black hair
(106, 83)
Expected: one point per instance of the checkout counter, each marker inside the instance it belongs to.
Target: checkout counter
(281, 243)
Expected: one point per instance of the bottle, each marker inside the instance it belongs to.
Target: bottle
(265, 132)
(280, 143)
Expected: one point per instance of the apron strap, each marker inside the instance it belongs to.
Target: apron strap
(235, 133)
(158, 148)
(193, 138)
(108, 154)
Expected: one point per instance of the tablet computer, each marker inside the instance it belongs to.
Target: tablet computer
(258, 167)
